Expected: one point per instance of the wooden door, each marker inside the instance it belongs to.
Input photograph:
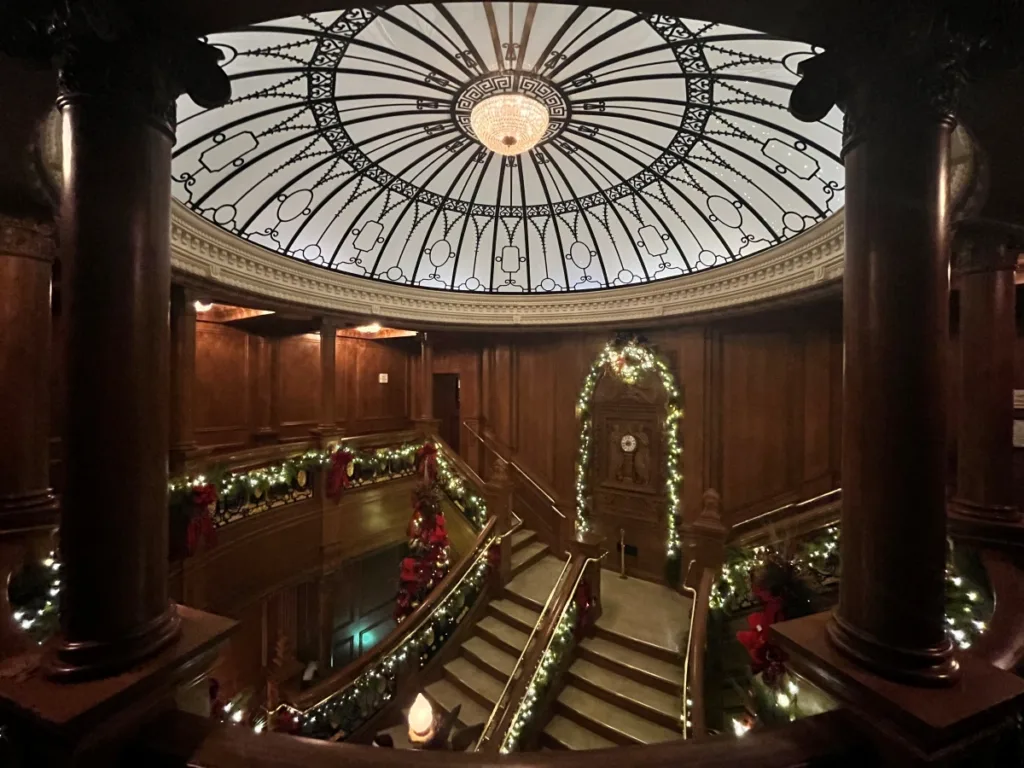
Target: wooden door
(446, 407)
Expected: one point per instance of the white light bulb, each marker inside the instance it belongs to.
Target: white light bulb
(421, 717)
(237, 717)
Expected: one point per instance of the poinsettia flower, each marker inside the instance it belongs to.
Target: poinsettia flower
(410, 569)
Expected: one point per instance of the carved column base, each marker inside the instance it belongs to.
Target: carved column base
(426, 426)
(74, 661)
(179, 456)
(910, 725)
(58, 725)
(934, 667)
(327, 435)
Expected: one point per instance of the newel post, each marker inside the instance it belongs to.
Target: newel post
(704, 539)
(498, 493)
(590, 545)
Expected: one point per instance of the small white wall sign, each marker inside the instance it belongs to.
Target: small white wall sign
(382, 378)
(1018, 399)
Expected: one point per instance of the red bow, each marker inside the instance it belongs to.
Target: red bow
(200, 529)
(410, 570)
(204, 495)
(764, 657)
(337, 475)
(426, 461)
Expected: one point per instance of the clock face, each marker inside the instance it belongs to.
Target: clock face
(628, 443)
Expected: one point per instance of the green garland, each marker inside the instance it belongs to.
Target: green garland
(551, 661)
(630, 359)
(257, 483)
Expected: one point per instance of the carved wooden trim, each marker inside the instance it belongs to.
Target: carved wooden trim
(812, 259)
(26, 238)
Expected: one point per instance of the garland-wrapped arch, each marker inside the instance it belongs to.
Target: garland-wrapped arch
(629, 358)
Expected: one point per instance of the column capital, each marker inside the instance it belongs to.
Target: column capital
(126, 54)
(986, 245)
(890, 64)
(26, 238)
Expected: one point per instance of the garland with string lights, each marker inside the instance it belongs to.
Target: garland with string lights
(772, 586)
(630, 358)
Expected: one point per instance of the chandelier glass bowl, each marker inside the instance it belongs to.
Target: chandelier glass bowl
(509, 123)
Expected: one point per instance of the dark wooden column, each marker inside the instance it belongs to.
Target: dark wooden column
(896, 296)
(183, 375)
(28, 508)
(328, 430)
(986, 257)
(117, 100)
(426, 422)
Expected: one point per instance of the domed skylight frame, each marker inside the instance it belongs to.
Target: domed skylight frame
(347, 145)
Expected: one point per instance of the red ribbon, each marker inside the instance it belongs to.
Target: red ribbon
(337, 475)
(426, 461)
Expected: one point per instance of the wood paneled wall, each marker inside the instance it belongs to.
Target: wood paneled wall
(762, 402)
(251, 389)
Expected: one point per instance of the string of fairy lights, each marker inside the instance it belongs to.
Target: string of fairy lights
(38, 617)
(631, 360)
(347, 708)
(967, 612)
(551, 661)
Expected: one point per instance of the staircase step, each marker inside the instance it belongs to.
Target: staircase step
(521, 538)
(446, 695)
(400, 735)
(490, 658)
(500, 634)
(643, 700)
(610, 721)
(528, 555)
(532, 585)
(515, 614)
(631, 663)
(562, 733)
(467, 676)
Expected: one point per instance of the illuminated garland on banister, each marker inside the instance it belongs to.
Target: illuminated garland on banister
(551, 660)
(293, 472)
(630, 360)
(348, 708)
(967, 608)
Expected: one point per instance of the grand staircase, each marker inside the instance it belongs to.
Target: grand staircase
(619, 691)
(477, 676)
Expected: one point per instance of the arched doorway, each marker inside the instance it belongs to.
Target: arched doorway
(629, 466)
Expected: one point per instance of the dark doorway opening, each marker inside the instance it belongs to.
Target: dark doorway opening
(446, 407)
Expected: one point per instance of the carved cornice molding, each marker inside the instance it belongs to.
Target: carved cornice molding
(26, 238)
(199, 248)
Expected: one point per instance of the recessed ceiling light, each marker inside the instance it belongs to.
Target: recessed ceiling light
(371, 328)
(202, 307)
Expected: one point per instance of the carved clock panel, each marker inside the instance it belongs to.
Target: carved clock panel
(627, 472)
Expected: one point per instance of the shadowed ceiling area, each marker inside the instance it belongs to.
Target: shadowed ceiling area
(348, 145)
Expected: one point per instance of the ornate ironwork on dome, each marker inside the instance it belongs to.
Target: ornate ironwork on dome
(349, 144)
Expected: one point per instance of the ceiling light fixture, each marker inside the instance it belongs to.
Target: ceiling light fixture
(201, 307)
(371, 328)
(509, 123)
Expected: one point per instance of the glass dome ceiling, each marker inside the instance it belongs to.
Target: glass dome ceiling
(347, 144)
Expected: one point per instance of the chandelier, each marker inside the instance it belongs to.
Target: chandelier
(509, 123)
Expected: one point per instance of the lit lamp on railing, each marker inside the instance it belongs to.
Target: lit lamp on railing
(421, 721)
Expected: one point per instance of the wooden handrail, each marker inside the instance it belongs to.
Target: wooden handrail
(336, 682)
(179, 739)
(563, 594)
(696, 649)
(796, 519)
(497, 724)
(484, 441)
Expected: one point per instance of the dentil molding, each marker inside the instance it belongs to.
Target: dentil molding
(813, 258)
